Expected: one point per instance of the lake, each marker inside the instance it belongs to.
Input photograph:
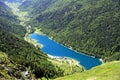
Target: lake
(55, 49)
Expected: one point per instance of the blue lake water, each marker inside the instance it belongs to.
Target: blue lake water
(53, 48)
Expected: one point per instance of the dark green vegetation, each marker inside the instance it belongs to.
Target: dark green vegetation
(9, 70)
(20, 51)
(9, 22)
(88, 26)
(25, 54)
(36, 6)
(107, 71)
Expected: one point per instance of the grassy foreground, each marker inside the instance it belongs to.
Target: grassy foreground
(107, 71)
(68, 66)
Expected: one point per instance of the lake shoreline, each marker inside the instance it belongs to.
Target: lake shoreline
(70, 60)
(32, 41)
(69, 47)
(73, 52)
(35, 43)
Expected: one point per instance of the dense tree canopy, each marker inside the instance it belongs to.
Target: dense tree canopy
(9, 22)
(89, 26)
(20, 51)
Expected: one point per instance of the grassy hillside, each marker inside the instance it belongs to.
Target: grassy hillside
(68, 66)
(88, 26)
(107, 71)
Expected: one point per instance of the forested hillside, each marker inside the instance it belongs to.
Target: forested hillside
(36, 6)
(20, 51)
(9, 70)
(88, 26)
(25, 54)
(9, 22)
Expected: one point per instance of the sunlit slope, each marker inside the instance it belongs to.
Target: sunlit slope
(88, 26)
(107, 71)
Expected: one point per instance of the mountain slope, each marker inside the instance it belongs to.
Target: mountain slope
(9, 70)
(34, 5)
(9, 22)
(20, 51)
(107, 71)
(88, 26)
